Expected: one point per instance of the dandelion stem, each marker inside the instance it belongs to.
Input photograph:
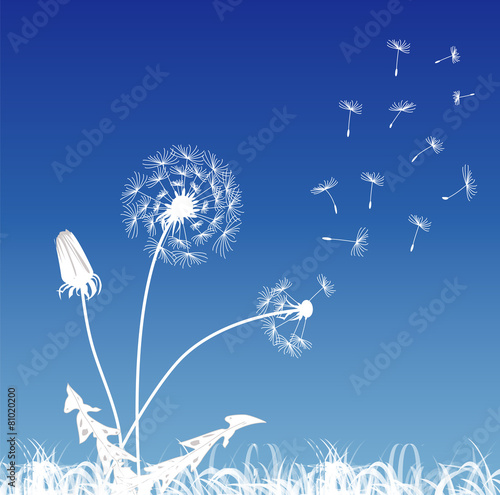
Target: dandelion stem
(415, 157)
(448, 197)
(397, 58)
(333, 201)
(332, 239)
(189, 351)
(98, 364)
(390, 126)
(414, 238)
(370, 203)
(437, 61)
(139, 347)
(348, 125)
(465, 96)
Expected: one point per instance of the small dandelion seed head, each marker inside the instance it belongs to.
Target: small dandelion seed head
(455, 57)
(352, 106)
(402, 46)
(376, 179)
(456, 97)
(407, 107)
(436, 144)
(324, 186)
(420, 222)
(326, 285)
(360, 244)
(470, 186)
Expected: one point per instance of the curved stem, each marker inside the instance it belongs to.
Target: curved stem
(437, 61)
(456, 192)
(415, 157)
(394, 119)
(414, 238)
(333, 201)
(189, 351)
(139, 348)
(98, 364)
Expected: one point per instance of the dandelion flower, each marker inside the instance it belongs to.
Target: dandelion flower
(76, 272)
(400, 46)
(456, 97)
(455, 57)
(433, 143)
(291, 311)
(421, 223)
(352, 106)
(373, 178)
(80, 279)
(324, 187)
(359, 244)
(470, 186)
(196, 203)
(406, 107)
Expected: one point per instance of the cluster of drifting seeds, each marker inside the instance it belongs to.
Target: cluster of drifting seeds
(360, 243)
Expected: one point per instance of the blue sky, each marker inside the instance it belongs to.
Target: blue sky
(151, 75)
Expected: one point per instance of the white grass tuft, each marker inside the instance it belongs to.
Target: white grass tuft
(333, 474)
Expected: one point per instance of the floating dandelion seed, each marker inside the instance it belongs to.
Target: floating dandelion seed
(323, 187)
(421, 223)
(400, 46)
(470, 186)
(434, 143)
(406, 107)
(359, 245)
(456, 97)
(373, 178)
(289, 310)
(352, 106)
(455, 57)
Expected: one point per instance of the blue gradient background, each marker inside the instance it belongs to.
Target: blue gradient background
(225, 79)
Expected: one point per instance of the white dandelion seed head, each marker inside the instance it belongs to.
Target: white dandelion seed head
(455, 57)
(436, 144)
(352, 106)
(402, 46)
(292, 315)
(326, 285)
(376, 179)
(407, 107)
(324, 186)
(420, 222)
(194, 204)
(456, 97)
(470, 186)
(360, 244)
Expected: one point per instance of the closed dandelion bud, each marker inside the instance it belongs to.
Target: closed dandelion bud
(76, 271)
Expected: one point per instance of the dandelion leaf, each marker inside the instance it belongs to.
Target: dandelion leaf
(107, 451)
(168, 470)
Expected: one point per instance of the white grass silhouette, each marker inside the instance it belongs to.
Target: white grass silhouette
(470, 186)
(352, 106)
(359, 244)
(421, 223)
(433, 143)
(455, 57)
(269, 471)
(324, 187)
(373, 178)
(456, 97)
(406, 107)
(400, 46)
